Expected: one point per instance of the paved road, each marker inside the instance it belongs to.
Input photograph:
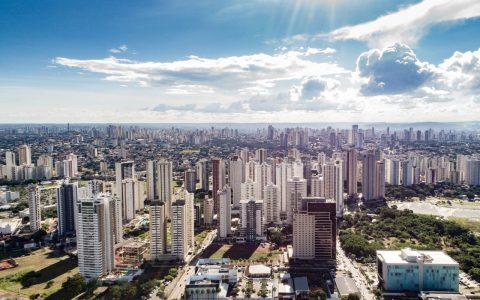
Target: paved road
(360, 280)
(175, 289)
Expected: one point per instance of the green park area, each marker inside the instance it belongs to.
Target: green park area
(201, 236)
(189, 151)
(470, 224)
(363, 233)
(41, 273)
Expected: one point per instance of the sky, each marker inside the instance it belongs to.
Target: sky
(239, 61)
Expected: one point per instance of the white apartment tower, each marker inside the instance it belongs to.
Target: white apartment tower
(284, 171)
(182, 225)
(333, 181)
(34, 207)
(224, 217)
(318, 187)
(248, 189)
(131, 199)
(159, 181)
(95, 241)
(158, 230)
(123, 170)
(235, 177)
(296, 190)
(271, 204)
(263, 175)
(207, 212)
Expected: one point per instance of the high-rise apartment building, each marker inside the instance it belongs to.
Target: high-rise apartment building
(10, 159)
(202, 174)
(71, 163)
(158, 230)
(132, 201)
(67, 196)
(284, 171)
(159, 182)
(472, 171)
(333, 182)
(207, 212)
(369, 176)
(218, 181)
(252, 219)
(263, 175)
(123, 170)
(190, 180)
(271, 204)
(318, 187)
(95, 235)
(24, 155)
(373, 177)
(182, 225)
(296, 190)
(34, 195)
(235, 179)
(248, 189)
(352, 170)
(224, 217)
(379, 180)
(261, 155)
(314, 230)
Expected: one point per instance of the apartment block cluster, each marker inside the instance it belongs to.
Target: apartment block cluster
(412, 168)
(252, 190)
(19, 167)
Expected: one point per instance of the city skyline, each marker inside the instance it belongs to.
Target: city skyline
(249, 61)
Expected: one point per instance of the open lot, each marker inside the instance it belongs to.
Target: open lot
(53, 269)
(242, 252)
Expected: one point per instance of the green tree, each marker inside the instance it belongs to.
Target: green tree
(317, 294)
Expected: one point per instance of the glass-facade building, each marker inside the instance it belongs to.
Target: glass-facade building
(410, 270)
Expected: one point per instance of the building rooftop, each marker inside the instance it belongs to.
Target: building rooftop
(301, 284)
(259, 269)
(213, 261)
(409, 256)
(346, 285)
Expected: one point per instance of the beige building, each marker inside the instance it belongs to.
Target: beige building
(314, 230)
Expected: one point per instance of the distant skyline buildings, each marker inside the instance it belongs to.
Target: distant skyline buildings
(268, 180)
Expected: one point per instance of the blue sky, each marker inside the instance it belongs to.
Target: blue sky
(241, 61)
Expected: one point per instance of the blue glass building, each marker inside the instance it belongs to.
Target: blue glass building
(414, 271)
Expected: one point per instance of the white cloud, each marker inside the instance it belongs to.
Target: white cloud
(392, 70)
(313, 51)
(389, 84)
(462, 70)
(409, 23)
(235, 73)
(119, 49)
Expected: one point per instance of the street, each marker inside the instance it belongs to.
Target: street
(347, 264)
(175, 289)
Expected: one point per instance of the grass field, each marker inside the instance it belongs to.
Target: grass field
(472, 225)
(54, 270)
(189, 151)
(201, 236)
